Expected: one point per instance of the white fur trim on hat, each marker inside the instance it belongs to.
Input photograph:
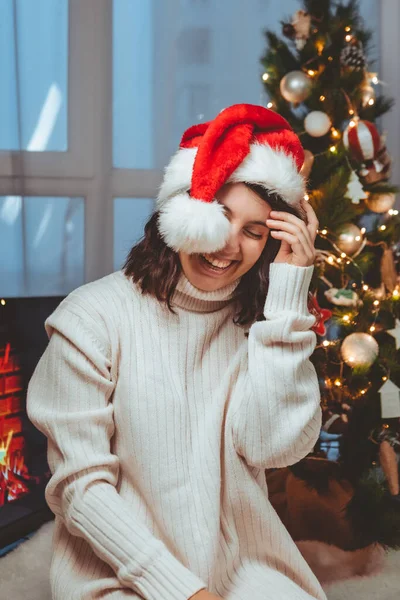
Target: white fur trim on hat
(270, 167)
(192, 225)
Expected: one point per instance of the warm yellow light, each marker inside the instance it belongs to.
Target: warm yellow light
(343, 255)
(352, 123)
(265, 76)
(395, 293)
(371, 101)
(337, 382)
(2, 302)
(306, 197)
(351, 112)
(348, 37)
(376, 302)
(363, 391)
(375, 80)
(339, 260)
(363, 230)
(269, 105)
(332, 149)
(322, 98)
(382, 227)
(311, 72)
(335, 133)
(372, 328)
(324, 232)
(365, 287)
(330, 259)
(357, 238)
(384, 378)
(346, 318)
(325, 343)
(348, 28)
(330, 58)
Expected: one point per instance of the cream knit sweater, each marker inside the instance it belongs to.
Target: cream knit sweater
(159, 429)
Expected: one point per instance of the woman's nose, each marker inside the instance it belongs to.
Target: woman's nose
(233, 244)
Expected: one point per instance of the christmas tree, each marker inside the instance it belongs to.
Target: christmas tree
(317, 76)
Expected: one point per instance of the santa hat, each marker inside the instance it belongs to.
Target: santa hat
(244, 143)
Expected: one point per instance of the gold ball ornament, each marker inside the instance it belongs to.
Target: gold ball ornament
(317, 123)
(295, 86)
(349, 238)
(380, 203)
(359, 350)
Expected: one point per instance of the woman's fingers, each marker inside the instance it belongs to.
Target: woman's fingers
(312, 220)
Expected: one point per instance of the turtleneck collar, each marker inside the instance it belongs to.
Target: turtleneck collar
(190, 298)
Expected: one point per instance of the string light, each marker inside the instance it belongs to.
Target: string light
(372, 328)
(343, 255)
(385, 426)
(365, 287)
(2, 302)
(351, 111)
(352, 123)
(363, 230)
(265, 76)
(357, 238)
(346, 318)
(322, 98)
(363, 392)
(376, 302)
(330, 58)
(326, 343)
(371, 101)
(311, 72)
(269, 105)
(324, 231)
(335, 133)
(384, 378)
(330, 259)
(306, 197)
(337, 382)
(395, 293)
(339, 260)
(382, 227)
(375, 80)
(347, 28)
(332, 149)
(348, 37)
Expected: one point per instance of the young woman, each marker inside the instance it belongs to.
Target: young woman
(169, 387)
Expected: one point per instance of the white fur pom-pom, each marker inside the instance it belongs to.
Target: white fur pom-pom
(193, 226)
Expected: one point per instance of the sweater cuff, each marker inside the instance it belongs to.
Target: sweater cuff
(288, 288)
(169, 579)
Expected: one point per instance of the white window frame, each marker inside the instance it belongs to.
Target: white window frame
(86, 168)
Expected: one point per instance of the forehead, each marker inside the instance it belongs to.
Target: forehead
(243, 203)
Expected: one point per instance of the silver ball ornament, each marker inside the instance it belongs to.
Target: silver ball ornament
(295, 86)
(380, 203)
(359, 350)
(317, 123)
(349, 238)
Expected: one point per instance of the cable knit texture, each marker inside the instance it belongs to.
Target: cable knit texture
(159, 429)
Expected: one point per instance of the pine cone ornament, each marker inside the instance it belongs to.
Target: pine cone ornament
(352, 57)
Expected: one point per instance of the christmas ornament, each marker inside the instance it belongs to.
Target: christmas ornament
(359, 350)
(380, 203)
(321, 314)
(388, 270)
(369, 173)
(361, 139)
(295, 86)
(390, 400)
(349, 238)
(352, 57)
(342, 297)
(354, 189)
(301, 24)
(307, 164)
(317, 123)
(396, 333)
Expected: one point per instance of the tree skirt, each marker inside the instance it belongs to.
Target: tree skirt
(24, 574)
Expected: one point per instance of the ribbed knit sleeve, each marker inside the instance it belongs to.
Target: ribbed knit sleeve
(279, 417)
(70, 401)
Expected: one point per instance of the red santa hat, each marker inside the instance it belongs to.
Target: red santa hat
(244, 143)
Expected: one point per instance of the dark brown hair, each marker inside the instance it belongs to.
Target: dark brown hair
(157, 268)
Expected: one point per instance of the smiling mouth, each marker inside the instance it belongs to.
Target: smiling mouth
(219, 266)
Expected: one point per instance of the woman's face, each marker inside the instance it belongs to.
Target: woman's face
(247, 214)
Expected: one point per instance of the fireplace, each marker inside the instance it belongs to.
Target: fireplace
(24, 471)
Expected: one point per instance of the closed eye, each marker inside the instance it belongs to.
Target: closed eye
(253, 235)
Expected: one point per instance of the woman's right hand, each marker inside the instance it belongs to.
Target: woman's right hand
(205, 595)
